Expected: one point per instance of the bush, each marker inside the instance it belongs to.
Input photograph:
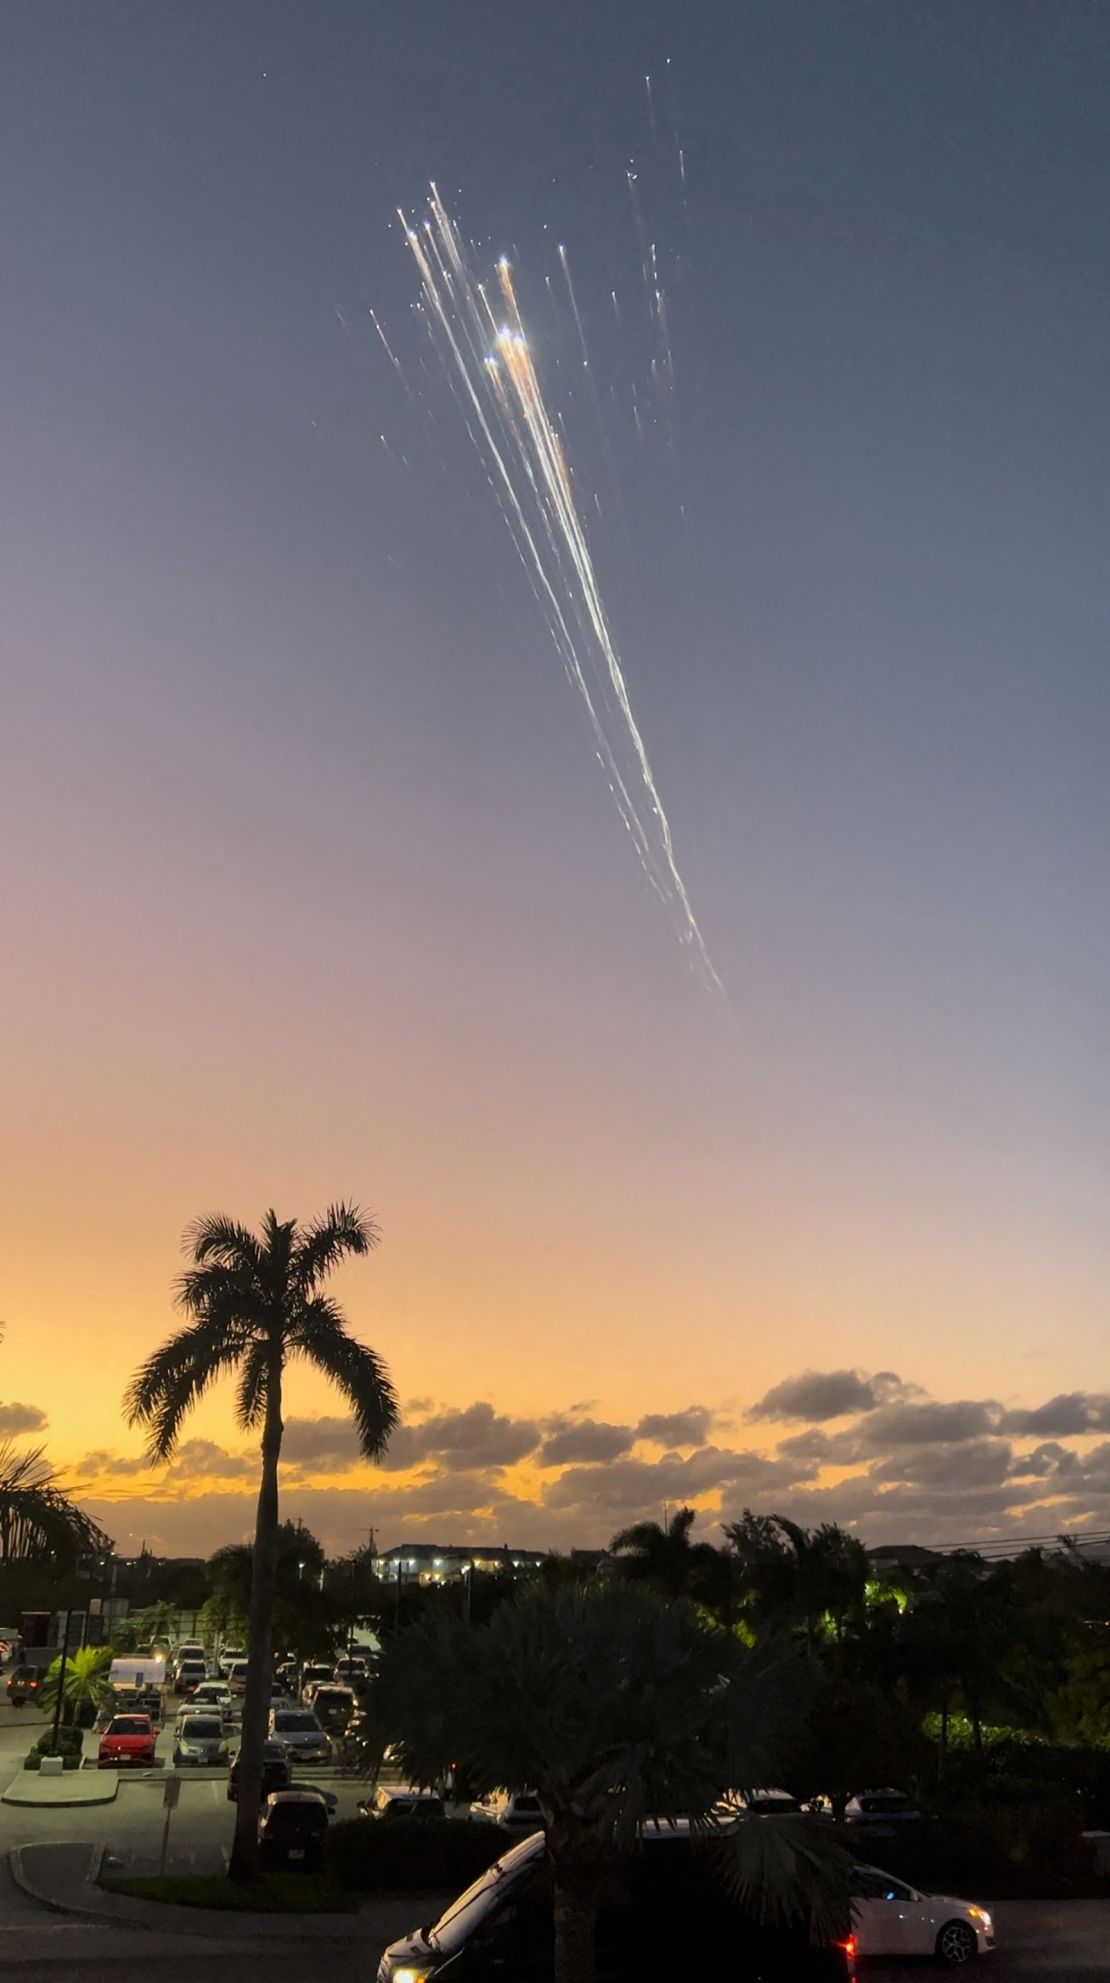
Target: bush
(1018, 1852)
(399, 1855)
(68, 1742)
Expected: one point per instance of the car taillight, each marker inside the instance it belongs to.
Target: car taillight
(849, 1946)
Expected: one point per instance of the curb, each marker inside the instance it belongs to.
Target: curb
(58, 1803)
(50, 1901)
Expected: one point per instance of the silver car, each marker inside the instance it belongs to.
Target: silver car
(200, 1739)
(301, 1733)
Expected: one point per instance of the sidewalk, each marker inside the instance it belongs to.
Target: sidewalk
(63, 1879)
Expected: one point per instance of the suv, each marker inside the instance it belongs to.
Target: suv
(211, 1697)
(227, 1657)
(301, 1733)
(292, 1826)
(277, 1772)
(188, 1675)
(23, 1684)
(128, 1738)
(666, 1915)
(333, 1706)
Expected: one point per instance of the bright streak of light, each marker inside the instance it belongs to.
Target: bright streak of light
(517, 438)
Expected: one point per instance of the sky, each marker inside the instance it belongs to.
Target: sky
(313, 885)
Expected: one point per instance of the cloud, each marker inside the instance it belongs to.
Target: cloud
(1072, 1412)
(16, 1418)
(685, 1428)
(928, 1424)
(475, 1436)
(584, 1439)
(824, 1394)
(955, 1468)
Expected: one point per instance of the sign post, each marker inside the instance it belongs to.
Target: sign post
(170, 1795)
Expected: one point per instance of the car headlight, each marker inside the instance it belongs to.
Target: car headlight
(410, 1975)
(980, 1915)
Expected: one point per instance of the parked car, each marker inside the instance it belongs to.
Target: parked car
(292, 1826)
(190, 1649)
(277, 1771)
(892, 1919)
(301, 1733)
(316, 1674)
(333, 1706)
(352, 1668)
(188, 1675)
(212, 1695)
(761, 1804)
(669, 1917)
(201, 1738)
(881, 1810)
(23, 1684)
(402, 1800)
(515, 1812)
(128, 1739)
(227, 1657)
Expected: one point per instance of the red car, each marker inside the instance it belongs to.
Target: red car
(128, 1738)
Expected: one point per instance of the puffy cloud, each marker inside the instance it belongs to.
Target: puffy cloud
(944, 1467)
(685, 1428)
(17, 1418)
(824, 1394)
(476, 1436)
(584, 1439)
(928, 1424)
(1071, 1412)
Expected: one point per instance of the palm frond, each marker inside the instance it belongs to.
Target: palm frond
(327, 1240)
(355, 1370)
(166, 1387)
(787, 1870)
(250, 1403)
(216, 1238)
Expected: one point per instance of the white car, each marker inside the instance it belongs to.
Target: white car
(890, 1918)
(227, 1657)
(515, 1812)
(211, 1695)
(880, 1807)
(301, 1733)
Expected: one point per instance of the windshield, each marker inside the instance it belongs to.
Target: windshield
(297, 1724)
(482, 1900)
(129, 1724)
(203, 1731)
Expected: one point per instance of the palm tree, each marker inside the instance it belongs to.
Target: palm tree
(613, 1706)
(253, 1303)
(665, 1557)
(37, 1519)
(86, 1681)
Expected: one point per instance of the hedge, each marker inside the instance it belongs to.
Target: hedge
(399, 1855)
(991, 1852)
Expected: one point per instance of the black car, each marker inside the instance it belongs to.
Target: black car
(292, 1826)
(666, 1915)
(277, 1771)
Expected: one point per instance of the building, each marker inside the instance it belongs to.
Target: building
(446, 1563)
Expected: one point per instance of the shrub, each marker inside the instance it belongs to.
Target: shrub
(68, 1742)
(378, 1855)
(1023, 1851)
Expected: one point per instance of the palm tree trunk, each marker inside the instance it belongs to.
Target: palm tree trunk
(575, 1923)
(260, 1661)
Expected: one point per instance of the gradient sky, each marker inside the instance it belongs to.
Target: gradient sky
(311, 884)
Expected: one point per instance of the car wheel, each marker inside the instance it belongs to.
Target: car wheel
(957, 1943)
